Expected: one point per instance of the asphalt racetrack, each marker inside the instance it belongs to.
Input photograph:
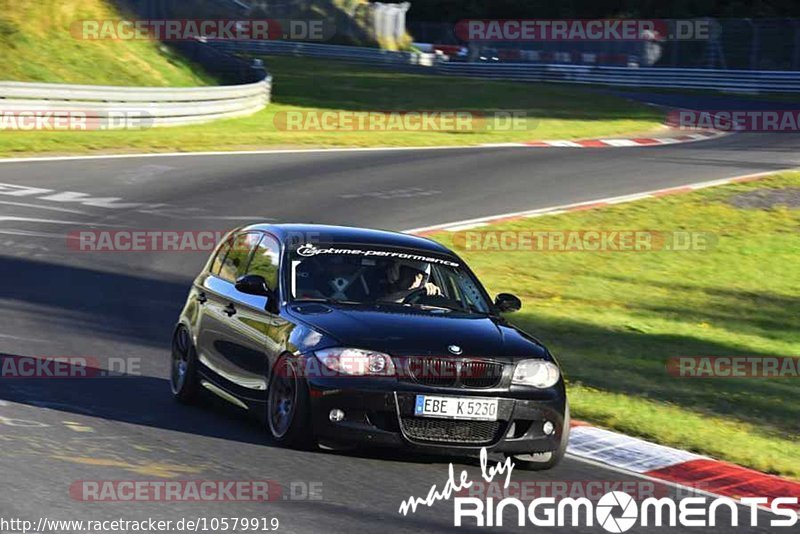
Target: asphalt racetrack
(55, 300)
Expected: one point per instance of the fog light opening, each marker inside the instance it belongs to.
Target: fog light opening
(336, 415)
(548, 428)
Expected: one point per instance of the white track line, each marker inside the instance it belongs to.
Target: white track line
(553, 210)
(41, 207)
(53, 221)
(237, 153)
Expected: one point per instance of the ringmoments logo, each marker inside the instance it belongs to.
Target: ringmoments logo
(618, 511)
(615, 511)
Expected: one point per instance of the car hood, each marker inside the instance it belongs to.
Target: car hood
(419, 333)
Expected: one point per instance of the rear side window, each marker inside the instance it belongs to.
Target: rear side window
(220, 257)
(265, 261)
(235, 262)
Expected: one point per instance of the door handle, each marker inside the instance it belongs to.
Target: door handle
(201, 298)
(230, 310)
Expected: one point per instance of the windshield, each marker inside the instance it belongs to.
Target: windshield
(362, 275)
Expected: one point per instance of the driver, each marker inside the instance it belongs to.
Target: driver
(405, 277)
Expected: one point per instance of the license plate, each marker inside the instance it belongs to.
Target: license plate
(456, 408)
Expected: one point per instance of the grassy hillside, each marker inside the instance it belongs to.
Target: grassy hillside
(36, 45)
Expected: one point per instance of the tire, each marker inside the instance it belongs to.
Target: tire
(547, 460)
(183, 367)
(288, 413)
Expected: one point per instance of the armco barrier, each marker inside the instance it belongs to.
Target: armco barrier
(136, 107)
(352, 53)
(652, 77)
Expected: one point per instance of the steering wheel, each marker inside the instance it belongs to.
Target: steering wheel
(415, 294)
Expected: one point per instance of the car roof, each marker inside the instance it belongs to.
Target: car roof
(295, 234)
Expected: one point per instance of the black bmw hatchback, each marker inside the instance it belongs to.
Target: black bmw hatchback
(341, 336)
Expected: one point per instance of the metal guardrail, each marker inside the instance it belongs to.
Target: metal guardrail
(144, 107)
(651, 77)
(136, 107)
(354, 53)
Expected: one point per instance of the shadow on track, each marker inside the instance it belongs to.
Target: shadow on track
(147, 401)
(101, 303)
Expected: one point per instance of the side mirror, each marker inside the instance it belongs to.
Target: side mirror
(506, 302)
(253, 284)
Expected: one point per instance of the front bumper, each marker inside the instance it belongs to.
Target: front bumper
(381, 413)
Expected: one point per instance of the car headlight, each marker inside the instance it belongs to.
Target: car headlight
(536, 373)
(356, 362)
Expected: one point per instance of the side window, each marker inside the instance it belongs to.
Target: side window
(235, 262)
(460, 286)
(471, 292)
(265, 261)
(220, 257)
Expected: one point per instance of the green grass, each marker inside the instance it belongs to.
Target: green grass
(743, 95)
(614, 318)
(36, 46)
(311, 85)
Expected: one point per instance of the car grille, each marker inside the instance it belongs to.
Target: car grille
(480, 374)
(452, 372)
(449, 431)
(433, 371)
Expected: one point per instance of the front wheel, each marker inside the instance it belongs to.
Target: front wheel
(546, 460)
(288, 411)
(183, 368)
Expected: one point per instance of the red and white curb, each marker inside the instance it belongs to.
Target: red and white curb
(676, 466)
(586, 143)
(618, 142)
(469, 224)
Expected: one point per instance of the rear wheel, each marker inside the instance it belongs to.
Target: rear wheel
(288, 412)
(546, 460)
(183, 368)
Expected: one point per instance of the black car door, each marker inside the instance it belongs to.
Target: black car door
(217, 338)
(249, 346)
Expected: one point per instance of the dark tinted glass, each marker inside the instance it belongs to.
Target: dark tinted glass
(220, 257)
(265, 261)
(235, 263)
